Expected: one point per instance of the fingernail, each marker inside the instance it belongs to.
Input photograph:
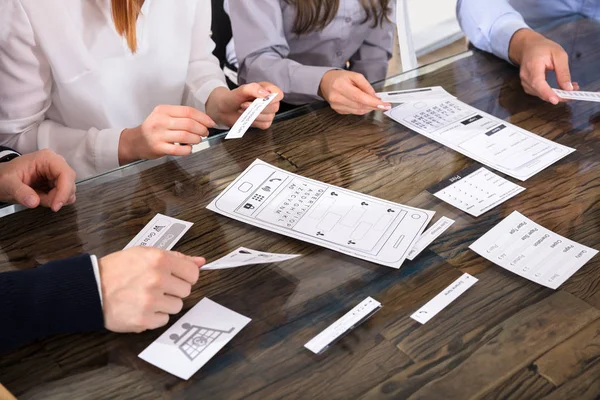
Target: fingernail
(263, 92)
(554, 100)
(58, 206)
(382, 107)
(72, 199)
(569, 86)
(29, 201)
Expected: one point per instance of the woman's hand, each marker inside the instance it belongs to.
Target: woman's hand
(226, 106)
(350, 93)
(168, 130)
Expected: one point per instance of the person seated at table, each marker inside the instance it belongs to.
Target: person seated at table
(507, 29)
(315, 49)
(105, 83)
(127, 291)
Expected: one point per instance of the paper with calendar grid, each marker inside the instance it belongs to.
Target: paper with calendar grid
(475, 190)
(352, 223)
(480, 136)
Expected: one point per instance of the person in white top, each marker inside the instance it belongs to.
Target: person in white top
(107, 82)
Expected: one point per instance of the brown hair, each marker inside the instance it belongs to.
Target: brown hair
(125, 14)
(315, 15)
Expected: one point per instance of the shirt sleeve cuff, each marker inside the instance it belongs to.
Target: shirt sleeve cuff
(96, 269)
(502, 32)
(310, 77)
(202, 94)
(106, 149)
(304, 87)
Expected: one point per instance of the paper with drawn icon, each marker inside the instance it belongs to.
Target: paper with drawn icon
(161, 232)
(244, 256)
(194, 339)
(342, 220)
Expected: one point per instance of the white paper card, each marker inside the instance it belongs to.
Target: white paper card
(247, 118)
(194, 339)
(342, 220)
(349, 321)
(480, 136)
(578, 95)
(528, 249)
(429, 236)
(161, 232)
(402, 96)
(244, 256)
(475, 190)
(441, 301)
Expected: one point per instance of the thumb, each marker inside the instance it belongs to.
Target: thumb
(199, 261)
(23, 194)
(254, 90)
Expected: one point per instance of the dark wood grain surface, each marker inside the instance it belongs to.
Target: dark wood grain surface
(504, 338)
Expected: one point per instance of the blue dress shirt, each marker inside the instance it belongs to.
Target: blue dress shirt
(490, 24)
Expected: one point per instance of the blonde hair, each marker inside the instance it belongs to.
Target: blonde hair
(125, 14)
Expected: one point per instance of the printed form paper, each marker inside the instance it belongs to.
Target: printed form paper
(342, 326)
(161, 232)
(342, 220)
(244, 256)
(249, 116)
(442, 300)
(429, 236)
(402, 96)
(578, 95)
(527, 249)
(194, 339)
(480, 136)
(475, 190)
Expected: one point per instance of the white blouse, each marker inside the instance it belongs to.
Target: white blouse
(69, 82)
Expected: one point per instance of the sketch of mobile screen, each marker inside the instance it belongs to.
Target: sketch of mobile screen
(323, 214)
(256, 190)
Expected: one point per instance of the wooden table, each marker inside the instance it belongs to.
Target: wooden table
(504, 338)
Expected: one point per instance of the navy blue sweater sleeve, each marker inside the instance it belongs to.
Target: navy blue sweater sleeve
(58, 297)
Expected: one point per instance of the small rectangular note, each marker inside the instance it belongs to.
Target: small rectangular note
(161, 232)
(345, 324)
(249, 116)
(578, 95)
(245, 256)
(194, 339)
(442, 300)
(429, 236)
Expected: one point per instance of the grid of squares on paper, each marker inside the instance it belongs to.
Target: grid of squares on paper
(199, 340)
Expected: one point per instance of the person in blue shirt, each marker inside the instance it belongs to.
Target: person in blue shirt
(507, 29)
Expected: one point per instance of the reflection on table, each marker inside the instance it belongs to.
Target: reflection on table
(504, 338)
